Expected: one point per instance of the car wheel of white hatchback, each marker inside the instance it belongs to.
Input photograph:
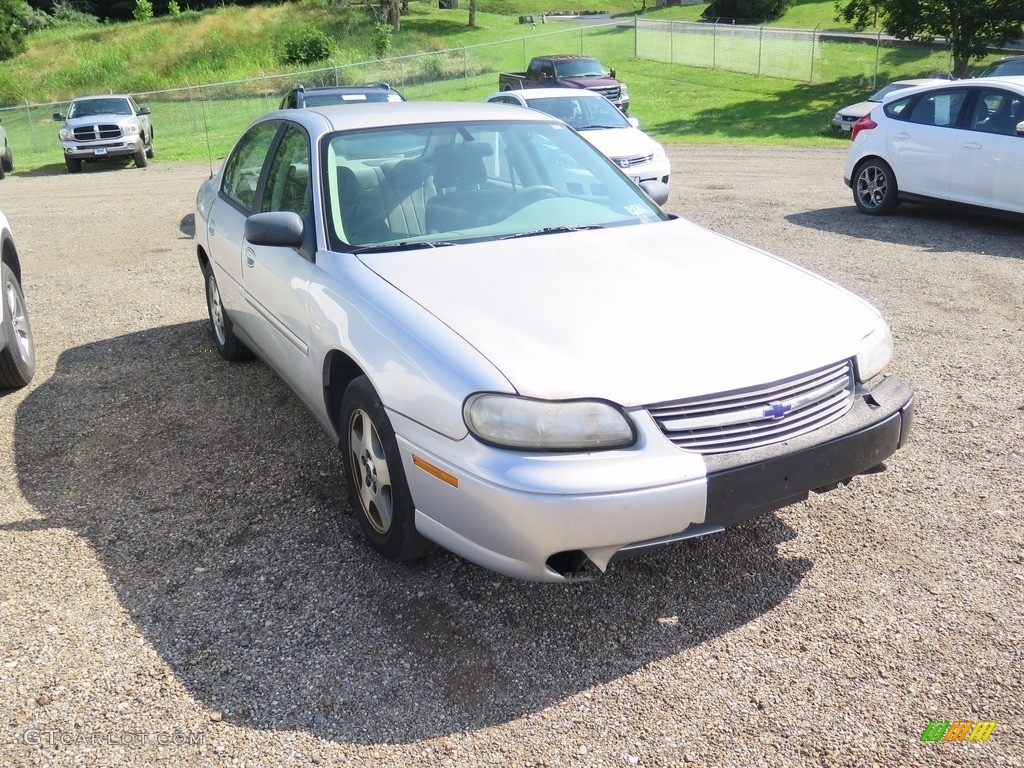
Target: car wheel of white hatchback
(874, 187)
(18, 357)
(375, 477)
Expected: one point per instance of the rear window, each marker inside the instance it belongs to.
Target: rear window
(1002, 68)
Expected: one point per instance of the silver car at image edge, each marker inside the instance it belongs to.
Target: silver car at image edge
(17, 350)
(521, 357)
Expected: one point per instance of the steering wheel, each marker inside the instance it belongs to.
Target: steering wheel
(525, 197)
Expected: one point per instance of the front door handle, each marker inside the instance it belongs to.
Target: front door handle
(250, 258)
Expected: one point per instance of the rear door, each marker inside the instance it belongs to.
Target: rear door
(921, 144)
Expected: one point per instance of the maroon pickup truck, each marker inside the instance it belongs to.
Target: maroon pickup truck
(568, 71)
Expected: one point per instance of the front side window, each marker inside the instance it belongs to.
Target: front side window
(243, 168)
(997, 111)
(288, 184)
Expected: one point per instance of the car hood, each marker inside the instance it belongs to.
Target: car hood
(593, 81)
(620, 142)
(95, 119)
(636, 315)
(859, 109)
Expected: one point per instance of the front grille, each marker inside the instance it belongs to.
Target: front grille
(610, 92)
(633, 160)
(96, 132)
(750, 418)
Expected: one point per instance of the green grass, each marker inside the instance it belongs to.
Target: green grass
(680, 90)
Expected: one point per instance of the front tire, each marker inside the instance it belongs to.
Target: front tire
(375, 477)
(222, 329)
(874, 187)
(141, 159)
(18, 357)
(7, 161)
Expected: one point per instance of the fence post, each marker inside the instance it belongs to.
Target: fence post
(31, 130)
(582, 50)
(671, 42)
(760, 38)
(878, 48)
(814, 39)
(526, 63)
(714, 45)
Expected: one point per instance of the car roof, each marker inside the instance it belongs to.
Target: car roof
(921, 81)
(102, 96)
(336, 117)
(367, 88)
(529, 94)
(1016, 81)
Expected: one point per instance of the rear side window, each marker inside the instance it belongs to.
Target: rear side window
(938, 108)
(897, 109)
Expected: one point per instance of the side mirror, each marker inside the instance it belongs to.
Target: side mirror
(633, 121)
(58, 116)
(1020, 128)
(283, 229)
(656, 190)
(144, 110)
(612, 75)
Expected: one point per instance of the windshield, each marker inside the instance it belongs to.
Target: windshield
(582, 112)
(324, 99)
(426, 185)
(879, 95)
(105, 106)
(579, 68)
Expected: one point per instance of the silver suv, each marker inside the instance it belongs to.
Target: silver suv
(104, 127)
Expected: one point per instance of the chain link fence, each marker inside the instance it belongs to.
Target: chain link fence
(215, 114)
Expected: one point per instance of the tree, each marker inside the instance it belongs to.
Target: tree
(12, 28)
(472, 13)
(970, 26)
(746, 10)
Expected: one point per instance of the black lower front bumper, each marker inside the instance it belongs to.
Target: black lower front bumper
(745, 484)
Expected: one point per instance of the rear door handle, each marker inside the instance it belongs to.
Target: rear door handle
(902, 135)
(971, 145)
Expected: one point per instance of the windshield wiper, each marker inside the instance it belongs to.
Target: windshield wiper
(403, 246)
(550, 231)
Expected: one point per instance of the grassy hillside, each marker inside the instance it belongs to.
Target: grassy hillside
(167, 58)
(217, 45)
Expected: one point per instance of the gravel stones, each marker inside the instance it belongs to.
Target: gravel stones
(184, 585)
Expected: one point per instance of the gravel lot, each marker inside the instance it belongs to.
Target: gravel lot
(182, 584)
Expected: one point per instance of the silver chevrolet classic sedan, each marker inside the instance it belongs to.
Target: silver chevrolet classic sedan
(522, 357)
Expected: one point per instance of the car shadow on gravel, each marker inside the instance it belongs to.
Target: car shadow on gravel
(216, 507)
(937, 229)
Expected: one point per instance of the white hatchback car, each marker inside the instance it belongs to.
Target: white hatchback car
(522, 357)
(959, 142)
(616, 136)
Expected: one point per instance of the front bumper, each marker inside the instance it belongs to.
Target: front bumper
(542, 516)
(101, 150)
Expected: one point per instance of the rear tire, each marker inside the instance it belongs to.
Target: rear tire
(74, 164)
(874, 187)
(375, 477)
(18, 357)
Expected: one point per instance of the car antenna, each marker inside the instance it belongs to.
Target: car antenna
(206, 131)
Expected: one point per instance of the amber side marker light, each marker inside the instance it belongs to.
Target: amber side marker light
(437, 472)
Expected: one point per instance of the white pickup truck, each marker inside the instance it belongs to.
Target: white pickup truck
(104, 127)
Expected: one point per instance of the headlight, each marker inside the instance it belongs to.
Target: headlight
(130, 130)
(624, 92)
(66, 134)
(566, 425)
(875, 352)
(659, 153)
